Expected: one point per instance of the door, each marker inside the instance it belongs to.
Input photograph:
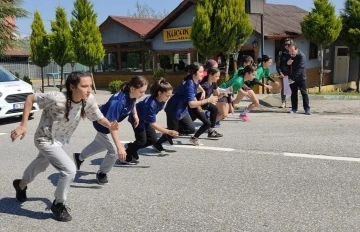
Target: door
(341, 65)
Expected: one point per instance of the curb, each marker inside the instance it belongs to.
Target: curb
(320, 97)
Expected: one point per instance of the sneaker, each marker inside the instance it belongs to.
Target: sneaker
(283, 105)
(292, 111)
(158, 147)
(77, 160)
(20, 194)
(307, 112)
(244, 117)
(61, 212)
(101, 178)
(214, 134)
(195, 141)
(132, 162)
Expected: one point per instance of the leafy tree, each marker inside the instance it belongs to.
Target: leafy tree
(39, 43)
(220, 26)
(322, 27)
(87, 39)
(9, 10)
(61, 41)
(350, 34)
(145, 11)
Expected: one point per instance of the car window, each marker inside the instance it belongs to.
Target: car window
(6, 75)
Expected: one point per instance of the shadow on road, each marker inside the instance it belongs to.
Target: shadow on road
(14, 207)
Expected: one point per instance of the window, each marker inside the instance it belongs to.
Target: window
(279, 47)
(109, 63)
(174, 62)
(148, 62)
(313, 52)
(131, 61)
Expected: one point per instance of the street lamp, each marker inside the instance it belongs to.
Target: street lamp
(255, 45)
(72, 65)
(235, 56)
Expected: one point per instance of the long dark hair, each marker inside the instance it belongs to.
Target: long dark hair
(247, 69)
(136, 82)
(74, 79)
(264, 58)
(160, 86)
(210, 71)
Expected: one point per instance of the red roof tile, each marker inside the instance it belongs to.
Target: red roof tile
(140, 26)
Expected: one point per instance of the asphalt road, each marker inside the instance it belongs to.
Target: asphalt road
(279, 172)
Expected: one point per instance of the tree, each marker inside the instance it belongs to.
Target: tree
(224, 30)
(87, 39)
(9, 9)
(146, 11)
(322, 27)
(61, 41)
(350, 34)
(39, 43)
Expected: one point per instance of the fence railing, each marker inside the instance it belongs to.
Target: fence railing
(24, 68)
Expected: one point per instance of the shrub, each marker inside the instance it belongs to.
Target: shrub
(114, 86)
(159, 72)
(27, 79)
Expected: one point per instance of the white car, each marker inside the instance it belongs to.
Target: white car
(13, 93)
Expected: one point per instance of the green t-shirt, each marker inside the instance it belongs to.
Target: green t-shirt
(235, 81)
(262, 72)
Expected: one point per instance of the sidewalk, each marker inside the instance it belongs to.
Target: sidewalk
(319, 104)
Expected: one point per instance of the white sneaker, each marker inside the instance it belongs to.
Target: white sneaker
(195, 141)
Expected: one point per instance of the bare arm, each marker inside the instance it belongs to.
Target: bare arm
(21, 130)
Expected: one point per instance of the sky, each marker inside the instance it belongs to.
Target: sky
(104, 8)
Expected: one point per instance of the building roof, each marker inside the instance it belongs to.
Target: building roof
(279, 21)
(16, 52)
(181, 8)
(139, 26)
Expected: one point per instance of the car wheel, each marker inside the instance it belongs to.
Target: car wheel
(31, 115)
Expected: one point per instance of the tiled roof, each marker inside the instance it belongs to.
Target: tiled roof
(279, 20)
(16, 53)
(140, 26)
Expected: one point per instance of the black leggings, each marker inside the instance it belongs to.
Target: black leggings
(196, 114)
(213, 114)
(186, 125)
(144, 137)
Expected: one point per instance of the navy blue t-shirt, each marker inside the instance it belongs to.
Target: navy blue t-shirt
(117, 108)
(177, 106)
(147, 110)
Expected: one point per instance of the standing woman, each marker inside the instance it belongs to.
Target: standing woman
(177, 107)
(118, 107)
(60, 117)
(283, 68)
(209, 84)
(147, 110)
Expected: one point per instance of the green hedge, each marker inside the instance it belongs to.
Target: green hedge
(114, 86)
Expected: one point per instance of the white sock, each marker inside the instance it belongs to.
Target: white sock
(246, 111)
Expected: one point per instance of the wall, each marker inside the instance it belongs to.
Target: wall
(184, 20)
(354, 69)
(114, 33)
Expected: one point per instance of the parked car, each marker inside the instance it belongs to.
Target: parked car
(13, 93)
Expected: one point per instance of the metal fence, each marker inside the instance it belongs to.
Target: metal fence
(24, 68)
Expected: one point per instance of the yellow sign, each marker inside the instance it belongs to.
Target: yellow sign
(177, 34)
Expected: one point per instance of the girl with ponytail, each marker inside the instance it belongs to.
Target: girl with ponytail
(60, 117)
(147, 109)
(116, 109)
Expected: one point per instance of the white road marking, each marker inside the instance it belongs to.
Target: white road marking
(2, 133)
(324, 157)
(193, 147)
